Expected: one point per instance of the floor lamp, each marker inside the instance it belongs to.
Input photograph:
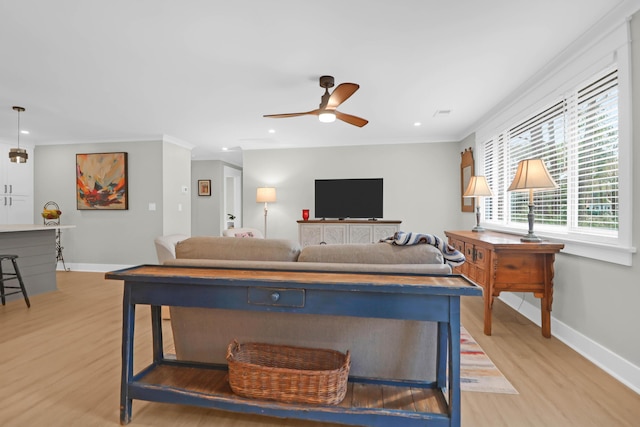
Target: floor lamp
(265, 195)
(478, 187)
(532, 174)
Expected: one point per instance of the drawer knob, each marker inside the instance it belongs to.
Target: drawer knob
(275, 296)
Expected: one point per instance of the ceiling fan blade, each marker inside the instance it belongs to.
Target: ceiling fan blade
(280, 116)
(341, 94)
(352, 120)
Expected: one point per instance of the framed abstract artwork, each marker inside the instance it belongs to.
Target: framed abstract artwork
(101, 181)
(204, 187)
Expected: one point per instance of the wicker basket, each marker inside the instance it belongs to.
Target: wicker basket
(288, 374)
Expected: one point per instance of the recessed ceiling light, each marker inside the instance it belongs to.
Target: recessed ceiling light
(24, 132)
(225, 149)
(416, 124)
(272, 131)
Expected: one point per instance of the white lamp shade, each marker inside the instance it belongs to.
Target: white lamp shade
(478, 187)
(532, 174)
(266, 195)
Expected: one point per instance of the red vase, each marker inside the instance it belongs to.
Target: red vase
(305, 214)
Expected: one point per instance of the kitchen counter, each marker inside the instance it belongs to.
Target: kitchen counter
(10, 228)
(36, 248)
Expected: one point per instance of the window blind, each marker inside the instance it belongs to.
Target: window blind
(595, 135)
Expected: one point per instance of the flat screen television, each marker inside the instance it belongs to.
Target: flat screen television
(348, 198)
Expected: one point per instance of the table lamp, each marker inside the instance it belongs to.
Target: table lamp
(265, 195)
(478, 187)
(532, 175)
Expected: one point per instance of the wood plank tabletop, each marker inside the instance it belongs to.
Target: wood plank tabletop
(154, 272)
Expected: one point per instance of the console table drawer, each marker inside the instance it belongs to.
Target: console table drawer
(276, 297)
(481, 257)
(476, 274)
(458, 244)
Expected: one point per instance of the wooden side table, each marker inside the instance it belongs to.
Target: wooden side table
(501, 262)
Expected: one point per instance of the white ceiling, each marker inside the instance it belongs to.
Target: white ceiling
(204, 72)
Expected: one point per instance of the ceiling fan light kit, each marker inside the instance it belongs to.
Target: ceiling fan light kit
(327, 117)
(327, 111)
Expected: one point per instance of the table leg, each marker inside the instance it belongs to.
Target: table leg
(128, 324)
(488, 302)
(441, 355)
(546, 317)
(156, 328)
(454, 361)
(547, 296)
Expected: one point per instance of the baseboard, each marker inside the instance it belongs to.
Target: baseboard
(94, 268)
(619, 368)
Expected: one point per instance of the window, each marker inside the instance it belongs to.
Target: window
(577, 137)
(575, 114)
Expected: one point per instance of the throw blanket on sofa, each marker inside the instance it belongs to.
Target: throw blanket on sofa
(451, 256)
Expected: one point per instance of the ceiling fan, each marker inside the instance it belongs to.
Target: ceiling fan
(330, 101)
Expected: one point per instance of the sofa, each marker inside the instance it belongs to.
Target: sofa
(202, 335)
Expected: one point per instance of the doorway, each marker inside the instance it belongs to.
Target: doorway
(232, 197)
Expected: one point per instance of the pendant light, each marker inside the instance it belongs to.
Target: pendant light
(18, 155)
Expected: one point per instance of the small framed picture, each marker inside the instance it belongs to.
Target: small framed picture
(204, 187)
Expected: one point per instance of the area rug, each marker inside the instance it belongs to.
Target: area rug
(477, 371)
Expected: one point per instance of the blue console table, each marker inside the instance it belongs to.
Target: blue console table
(369, 401)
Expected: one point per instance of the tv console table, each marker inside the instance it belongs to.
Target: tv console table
(369, 401)
(501, 262)
(340, 232)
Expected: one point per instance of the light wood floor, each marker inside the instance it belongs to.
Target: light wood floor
(60, 366)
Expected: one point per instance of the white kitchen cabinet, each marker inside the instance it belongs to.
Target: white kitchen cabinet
(16, 188)
(16, 209)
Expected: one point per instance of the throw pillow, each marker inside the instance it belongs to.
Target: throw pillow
(247, 234)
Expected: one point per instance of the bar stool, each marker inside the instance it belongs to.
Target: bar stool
(11, 276)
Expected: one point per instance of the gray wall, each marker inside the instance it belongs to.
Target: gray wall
(207, 215)
(420, 183)
(111, 238)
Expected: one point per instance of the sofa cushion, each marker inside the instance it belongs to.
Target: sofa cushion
(224, 248)
(372, 253)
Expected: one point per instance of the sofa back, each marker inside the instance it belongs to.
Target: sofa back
(231, 248)
(372, 253)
